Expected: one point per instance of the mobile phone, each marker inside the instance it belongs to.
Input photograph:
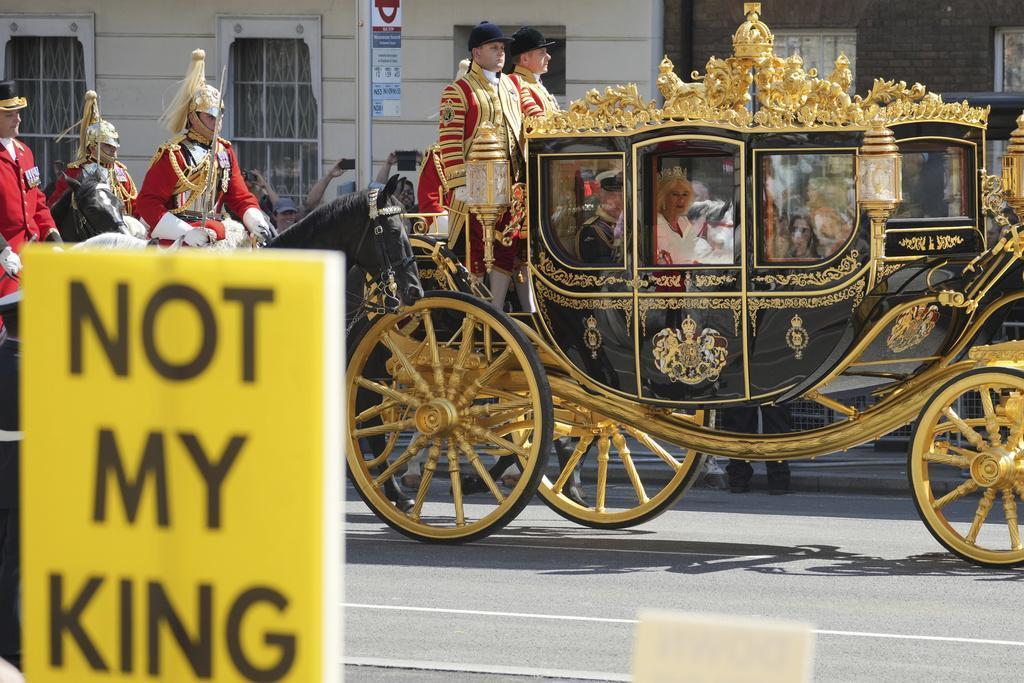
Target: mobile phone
(347, 164)
(406, 160)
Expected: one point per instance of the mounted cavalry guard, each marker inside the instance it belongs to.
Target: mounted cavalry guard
(483, 96)
(195, 174)
(97, 148)
(530, 54)
(23, 213)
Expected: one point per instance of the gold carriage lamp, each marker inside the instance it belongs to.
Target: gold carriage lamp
(1013, 170)
(879, 180)
(487, 185)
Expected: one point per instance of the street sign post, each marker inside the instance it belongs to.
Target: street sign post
(386, 25)
(181, 469)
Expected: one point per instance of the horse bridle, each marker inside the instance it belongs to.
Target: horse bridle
(388, 284)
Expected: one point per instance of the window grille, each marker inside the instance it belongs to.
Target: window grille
(50, 72)
(275, 113)
(818, 49)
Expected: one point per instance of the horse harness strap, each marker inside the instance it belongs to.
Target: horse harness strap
(389, 286)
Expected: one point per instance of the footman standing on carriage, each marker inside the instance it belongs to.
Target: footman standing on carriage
(483, 96)
(24, 216)
(530, 54)
(179, 199)
(97, 149)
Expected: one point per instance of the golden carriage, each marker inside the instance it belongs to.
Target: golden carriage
(840, 246)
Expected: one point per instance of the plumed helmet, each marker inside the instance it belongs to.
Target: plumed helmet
(194, 94)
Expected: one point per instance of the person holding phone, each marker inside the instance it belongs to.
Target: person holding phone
(316, 194)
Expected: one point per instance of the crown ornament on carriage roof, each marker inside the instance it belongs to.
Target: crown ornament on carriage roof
(788, 96)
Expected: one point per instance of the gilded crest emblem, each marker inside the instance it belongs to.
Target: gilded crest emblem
(684, 356)
(592, 338)
(912, 327)
(447, 111)
(797, 337)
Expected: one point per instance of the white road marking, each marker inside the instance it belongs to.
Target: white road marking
(525, 671)
(377, 539)
(608, 620)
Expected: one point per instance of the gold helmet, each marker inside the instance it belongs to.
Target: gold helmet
(93, 130)
(195, 94)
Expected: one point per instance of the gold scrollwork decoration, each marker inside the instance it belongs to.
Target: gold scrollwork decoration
(546, 294)
(846, 267)
(734, 304)
(931, 242)
(704, 281)
(665, 280)
(756, 303)
(887, 269)
(548, 268)
(684, 356)
(912, 327)
(797, 336)
(788, 96)
(592, 337)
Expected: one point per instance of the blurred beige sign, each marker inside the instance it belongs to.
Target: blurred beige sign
(676, 647)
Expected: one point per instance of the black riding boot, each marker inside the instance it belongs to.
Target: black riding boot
(573, 489)
(397, 495)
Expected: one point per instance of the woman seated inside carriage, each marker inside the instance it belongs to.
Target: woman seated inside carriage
(690, 230)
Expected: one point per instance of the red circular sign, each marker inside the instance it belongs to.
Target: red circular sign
(388, 9)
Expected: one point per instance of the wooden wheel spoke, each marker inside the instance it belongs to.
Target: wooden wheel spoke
(964, 489)
(655, 447)
(386, 428)
(991, 422)
(627, 461)
(485, 476)
(603, 447)
(373, 412)
(574, 460)
(1016, 419)
(462, 357)
(407, 455)
(488, 435)
(388, 392)
(1010, 513)
(488, 375)
(959, 461)
(421, 384)
(435, 353)
(984, 507)
(456, 481)
(429, 469)
(972, 436)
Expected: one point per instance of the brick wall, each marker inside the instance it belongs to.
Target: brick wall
(945, 44)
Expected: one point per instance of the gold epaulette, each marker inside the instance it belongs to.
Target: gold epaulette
(171, 145)
(76, 163)
(223, 142)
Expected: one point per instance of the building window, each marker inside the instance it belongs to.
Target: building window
(1009, 60)
(818, 49)
(554, 79)
(51, 57)
(273, 94)
(275, 114)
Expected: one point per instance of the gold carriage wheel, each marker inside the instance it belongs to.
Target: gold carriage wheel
(648, 492)
(974, 423)
(452, 378)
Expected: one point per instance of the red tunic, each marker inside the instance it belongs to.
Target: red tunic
(24, 216)
(467, 103)
(429, 188)
(164, 188)
(121, 182)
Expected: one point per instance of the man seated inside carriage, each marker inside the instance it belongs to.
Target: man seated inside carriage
(600, 238)
(689, 231)
(98, 144)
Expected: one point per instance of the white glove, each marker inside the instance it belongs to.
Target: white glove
(258, 225)
(10, 262)
(199, 237)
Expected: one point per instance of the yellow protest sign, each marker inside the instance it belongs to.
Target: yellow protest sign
(181, 466)
(677, 647)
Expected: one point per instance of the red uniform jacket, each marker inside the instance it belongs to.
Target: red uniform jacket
(23, 212)
(120, 181)
(536, 99)
(430, 187)
(165, 186)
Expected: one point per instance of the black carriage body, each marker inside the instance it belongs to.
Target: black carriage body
(760, 326)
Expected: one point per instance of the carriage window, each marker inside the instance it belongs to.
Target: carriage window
(693, 219)
(807, 208)
(584, 208)
(935, 178)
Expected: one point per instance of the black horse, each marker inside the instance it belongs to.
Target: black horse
(349, 224)
(88, 208)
